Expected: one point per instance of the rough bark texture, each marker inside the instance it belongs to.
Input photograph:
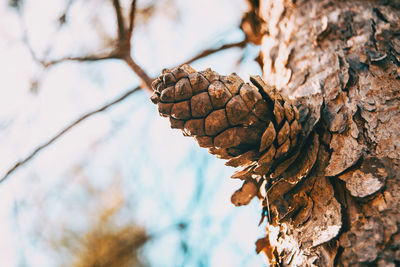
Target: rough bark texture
(348, 53)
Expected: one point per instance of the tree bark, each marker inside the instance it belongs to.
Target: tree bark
(341, 60)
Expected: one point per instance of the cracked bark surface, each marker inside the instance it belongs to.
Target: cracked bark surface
(318, 138)
(349, 53)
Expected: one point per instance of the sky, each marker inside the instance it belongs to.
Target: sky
(163, 177)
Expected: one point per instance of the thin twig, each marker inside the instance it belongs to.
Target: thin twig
(27, 43)
(120, 20)
(46, 64)
(131, 18)
(80, 59)
(123, 49)
(66, 129)
(146, 80)
(63, 18)
(210, 51)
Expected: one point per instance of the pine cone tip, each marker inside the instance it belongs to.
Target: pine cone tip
(250, 124)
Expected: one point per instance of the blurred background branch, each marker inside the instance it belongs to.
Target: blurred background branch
(210, 51)
(65, 130)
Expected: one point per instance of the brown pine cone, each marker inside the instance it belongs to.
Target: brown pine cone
(250, 124)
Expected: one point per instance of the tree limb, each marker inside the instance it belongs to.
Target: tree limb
(210, 51)
(79, 58)
(66, 129)
(120, 20)
(146, 80)
(131, 18)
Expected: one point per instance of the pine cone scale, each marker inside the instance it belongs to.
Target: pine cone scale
(219, 94)
(198, 82)
(181, 110)
(233, 83)
(216, 122)
(169, 79)
(168, 95)
(268, 137)
(236, 110)
(249, 95)
(283, 133)
(201, 105)
(183, 90)
(165, 109)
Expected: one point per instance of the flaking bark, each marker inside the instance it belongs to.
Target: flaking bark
(348, 54)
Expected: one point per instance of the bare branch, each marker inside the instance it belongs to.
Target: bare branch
(25, 40)
(63, 18)
(66, 129)
(120, 20)
(80, 59)
(27, 43)
(146, 80)
(131, 18)
(210, 51)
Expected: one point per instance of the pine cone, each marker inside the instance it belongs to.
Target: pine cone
(250, 124)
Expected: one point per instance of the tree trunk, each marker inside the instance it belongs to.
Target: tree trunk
(341, 59)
